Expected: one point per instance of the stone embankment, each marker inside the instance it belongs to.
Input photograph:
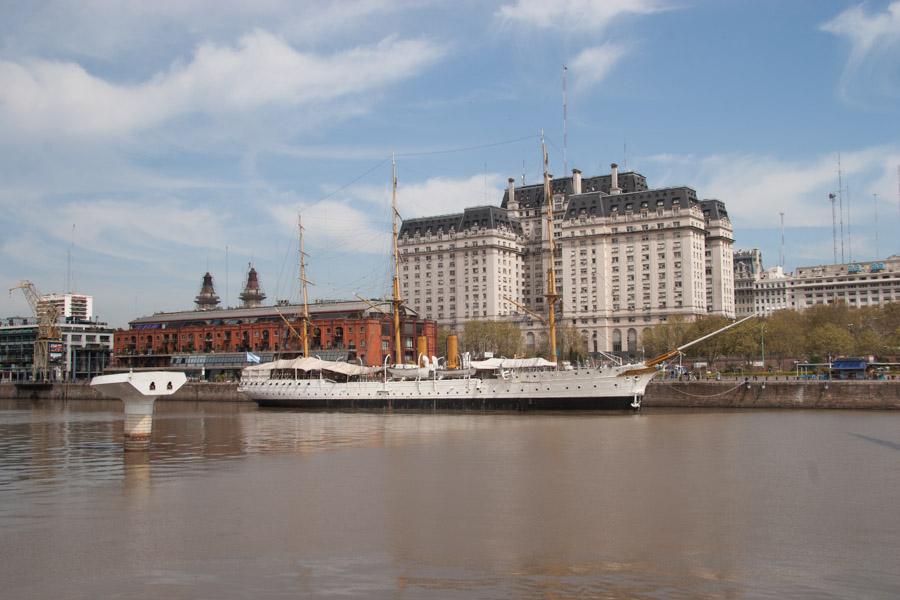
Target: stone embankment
(192, 392)
(660, 394)
(773, 394)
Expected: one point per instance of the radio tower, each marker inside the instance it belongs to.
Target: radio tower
(877, 251)
(841, 204)
(834, 223)
(565, 123)
(782, 240)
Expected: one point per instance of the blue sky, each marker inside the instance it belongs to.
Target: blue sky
(164, 132)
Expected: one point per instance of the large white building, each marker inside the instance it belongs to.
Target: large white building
(627, 258)
(764, 291)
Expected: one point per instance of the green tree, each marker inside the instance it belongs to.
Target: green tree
(442, 334)
(571, 344)
(785, 335)
(503, 338)
(827, 340)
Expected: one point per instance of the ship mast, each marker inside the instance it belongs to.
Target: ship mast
(551, 295)
(304, 331)
(396, 301)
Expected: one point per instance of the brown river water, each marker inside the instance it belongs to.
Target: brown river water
(236, 502)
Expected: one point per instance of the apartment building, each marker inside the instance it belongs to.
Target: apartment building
(77, 307)
(764, 291)
(627, 257)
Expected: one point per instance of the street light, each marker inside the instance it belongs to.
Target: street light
(762, 334)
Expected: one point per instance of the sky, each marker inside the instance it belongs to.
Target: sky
(144, 143)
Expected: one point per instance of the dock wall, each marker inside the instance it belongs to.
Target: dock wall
(774, 394)
(883, 395)
(192, 392)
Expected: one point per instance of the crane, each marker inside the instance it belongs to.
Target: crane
(47, 316)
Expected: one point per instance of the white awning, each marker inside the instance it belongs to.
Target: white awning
(317, 364)
(311, 364)
(270, 366)
(493, 364)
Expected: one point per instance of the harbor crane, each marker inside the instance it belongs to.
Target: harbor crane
(47, 316)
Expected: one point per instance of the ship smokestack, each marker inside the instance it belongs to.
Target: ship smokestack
(422, 349)
(614, 180)
(452, 352)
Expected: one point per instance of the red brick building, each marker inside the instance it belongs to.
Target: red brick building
(220, 339)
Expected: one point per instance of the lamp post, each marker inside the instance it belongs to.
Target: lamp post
(762, 340)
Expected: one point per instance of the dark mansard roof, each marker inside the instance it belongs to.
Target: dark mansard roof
(487, 217)
(532, 196)
(599, 204)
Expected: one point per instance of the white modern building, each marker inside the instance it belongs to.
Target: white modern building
(627, 258)
(77, 307)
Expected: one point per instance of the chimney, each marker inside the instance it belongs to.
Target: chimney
(614, 188)
(511, 193)
(576, 181)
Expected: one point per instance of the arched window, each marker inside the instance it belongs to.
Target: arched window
(595, 345)
(617, 340)
(529, 341)
(632, 340)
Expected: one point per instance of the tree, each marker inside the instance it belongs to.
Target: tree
(828, 339)
(503, 338)
(785, 334)
(442, 334)
(571, 344)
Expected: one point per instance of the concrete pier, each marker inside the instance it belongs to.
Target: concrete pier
(138, 423)
(139, 391)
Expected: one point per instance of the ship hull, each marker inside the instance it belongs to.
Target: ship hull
(573, 390)
(453, 404)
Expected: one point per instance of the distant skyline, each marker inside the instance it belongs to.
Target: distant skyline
(165, 132)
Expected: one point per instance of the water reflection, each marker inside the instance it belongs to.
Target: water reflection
(235, 502)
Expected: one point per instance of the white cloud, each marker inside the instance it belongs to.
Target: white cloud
(333, 225)
(756, 188)
(865, 30)
(874, 50)
(359, 219)
(40, 96)
(436, 195)
(584, 15)
(110, 30)
(128, 230)
(593, 65)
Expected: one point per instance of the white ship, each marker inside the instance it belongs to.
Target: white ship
(492, 384)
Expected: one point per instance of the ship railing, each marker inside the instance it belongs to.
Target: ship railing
(611, 358)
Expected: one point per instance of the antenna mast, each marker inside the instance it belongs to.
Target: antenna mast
(834, 223)
(304, 330)
(69, 262)
(565, 123)
(397, 301)
(849, 237)
(782, 239)
(877, 251)
(551, 294)
(841, 204)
